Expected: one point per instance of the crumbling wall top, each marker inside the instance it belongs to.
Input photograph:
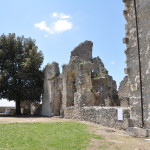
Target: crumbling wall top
(52, 69)
(83, 51)
(99, 67)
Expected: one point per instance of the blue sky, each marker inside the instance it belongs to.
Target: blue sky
(60, 25)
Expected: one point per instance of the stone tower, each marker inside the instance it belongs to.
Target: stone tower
(132, 59)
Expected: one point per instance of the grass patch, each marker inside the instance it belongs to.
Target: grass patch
(44, 136)
(1, 113)
(98, 137)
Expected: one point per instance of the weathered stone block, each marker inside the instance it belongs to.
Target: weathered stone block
(134, 87)
(130, 123)
(137, 132)
(125, 12)
(127, 2)
(126, 51)
(127, 70)
(125, 40)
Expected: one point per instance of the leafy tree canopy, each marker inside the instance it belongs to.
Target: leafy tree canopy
(20, 74)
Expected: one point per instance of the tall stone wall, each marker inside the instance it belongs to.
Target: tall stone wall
(52, 96)
(123, 92)
(46, 99)
(143, 15)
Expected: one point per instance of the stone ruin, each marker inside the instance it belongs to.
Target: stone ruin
(83, 77)
(123, 92)
(137, 88)
(52, 97)
(84, 85)
(86, 91)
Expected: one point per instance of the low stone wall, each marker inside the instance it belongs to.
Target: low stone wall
(106, 116)
(69, 113)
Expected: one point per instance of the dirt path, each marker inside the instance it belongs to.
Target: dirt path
(115, 139)
(112, 139)
(31, 119)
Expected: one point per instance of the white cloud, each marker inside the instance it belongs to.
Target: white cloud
(58, 26)
(112, 62)
(42, 26)
(60, 15)
(61, 26)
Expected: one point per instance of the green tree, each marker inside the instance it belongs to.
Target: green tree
(20, 74)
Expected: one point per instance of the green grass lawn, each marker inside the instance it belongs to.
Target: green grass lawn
(45, 136)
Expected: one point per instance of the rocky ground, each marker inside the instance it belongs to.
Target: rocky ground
(113, 139)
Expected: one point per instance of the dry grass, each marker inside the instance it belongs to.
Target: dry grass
(118, 140)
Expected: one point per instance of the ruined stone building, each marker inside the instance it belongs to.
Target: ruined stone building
(83, 82)
(83, 91)
(86, 91)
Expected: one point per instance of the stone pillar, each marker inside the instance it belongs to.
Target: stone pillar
(123, 92)
(52, 86)
(46, 100)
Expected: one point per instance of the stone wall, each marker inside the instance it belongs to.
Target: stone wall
(123, 92)
(106, 116)
(88, 78)
(83, 51)
(143, 15)
(52, 95)
(99, 67)
(87, 86)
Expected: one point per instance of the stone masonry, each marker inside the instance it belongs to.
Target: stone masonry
(106, 116)
(132, 70)
(86, 91)
(52, 97)
(123, 92)
(87, 76)
(83, 87)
